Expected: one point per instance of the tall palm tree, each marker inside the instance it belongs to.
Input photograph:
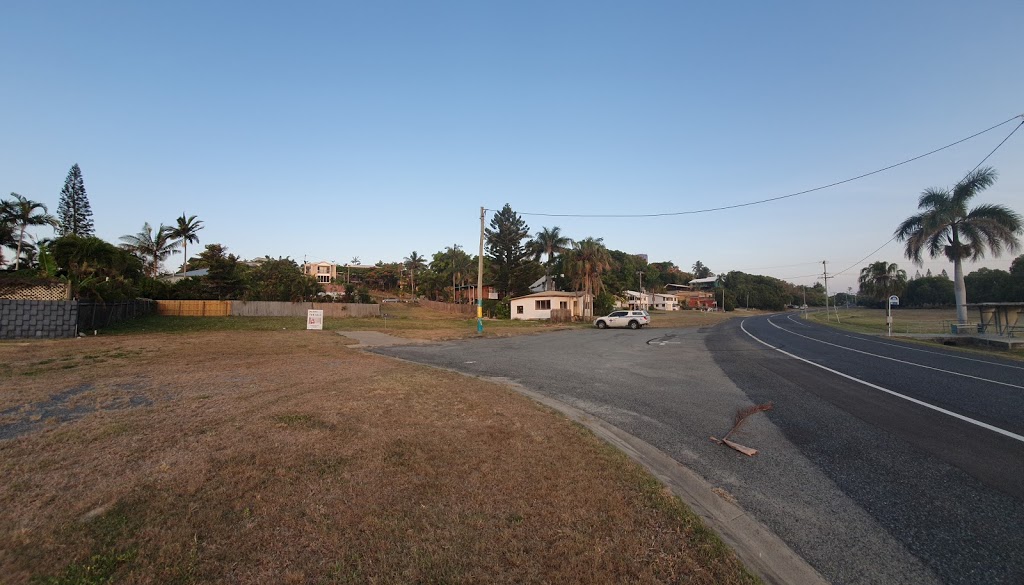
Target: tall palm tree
(549, 242)
(945, 226)
(152, 248)
(186, 232)
(881, 279)
(23, 212)
(587, 261)
(414, 262)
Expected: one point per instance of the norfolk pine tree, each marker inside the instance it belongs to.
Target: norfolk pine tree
(73, 212)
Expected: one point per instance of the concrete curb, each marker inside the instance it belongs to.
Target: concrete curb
(755, 545)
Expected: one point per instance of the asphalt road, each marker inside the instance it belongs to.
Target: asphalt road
(867, 485)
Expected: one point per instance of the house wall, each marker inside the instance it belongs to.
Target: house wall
(664, 302)
(21, 319)
(324, 272)
(531, 312)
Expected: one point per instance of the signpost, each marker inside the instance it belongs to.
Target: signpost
(315, 319)
(893, 301)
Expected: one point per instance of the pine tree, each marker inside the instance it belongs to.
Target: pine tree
(73, 211)
(506, 249)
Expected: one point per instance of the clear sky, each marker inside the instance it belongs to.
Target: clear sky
(332, 130)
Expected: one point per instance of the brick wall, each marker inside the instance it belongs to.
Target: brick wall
(37, 319)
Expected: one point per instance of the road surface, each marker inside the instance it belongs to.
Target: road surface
(898, 464)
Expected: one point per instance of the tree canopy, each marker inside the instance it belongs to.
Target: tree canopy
(507, 251)
(74, 213)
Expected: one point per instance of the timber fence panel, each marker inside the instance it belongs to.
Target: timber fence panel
(193, 308)
(461, 309)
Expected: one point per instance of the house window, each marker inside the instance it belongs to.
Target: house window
(323, 277)
(563, 305)
(543, 305)
(519, 309)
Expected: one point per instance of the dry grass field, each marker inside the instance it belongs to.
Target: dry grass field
(281, 456)
(863, 320)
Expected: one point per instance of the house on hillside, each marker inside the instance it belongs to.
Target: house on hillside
(634, 300)
(467, 293)
(323, 272)
(701, 299)
(664, 302)
(540, 305)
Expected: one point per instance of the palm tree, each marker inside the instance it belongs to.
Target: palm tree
(945, 226)
(7, 239)
(186, 233)
(549, 242)
(587, 261)
(881, 279)
(151, 248)
(414, 262)
(23, 212)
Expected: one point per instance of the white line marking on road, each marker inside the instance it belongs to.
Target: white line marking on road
(887, 391)
(895, 359)
(949, 355)
(790, 317)
(908, 348)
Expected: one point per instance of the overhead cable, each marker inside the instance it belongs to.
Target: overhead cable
(780, 197)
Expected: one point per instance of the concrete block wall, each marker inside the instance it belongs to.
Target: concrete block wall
(38, 319)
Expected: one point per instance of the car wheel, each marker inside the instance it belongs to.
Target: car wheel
(634, 325)
(602, 325)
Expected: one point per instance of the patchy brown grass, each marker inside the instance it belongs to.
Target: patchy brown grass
(285, 457)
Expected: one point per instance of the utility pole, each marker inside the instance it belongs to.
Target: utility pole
(824, 267)
(455, 247)
(641, 273)
(480, 280)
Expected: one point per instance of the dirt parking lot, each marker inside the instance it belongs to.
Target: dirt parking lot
(285, 456)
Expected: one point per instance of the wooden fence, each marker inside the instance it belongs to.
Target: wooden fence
(464, 309)
(194, 308)
(561, 315)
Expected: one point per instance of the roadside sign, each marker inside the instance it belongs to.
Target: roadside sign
(315, 319)
(894, 300)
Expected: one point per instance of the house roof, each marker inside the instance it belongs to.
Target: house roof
(708, 280)
(189, 274)
(550, 293)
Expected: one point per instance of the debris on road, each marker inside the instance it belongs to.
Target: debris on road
(741, 416)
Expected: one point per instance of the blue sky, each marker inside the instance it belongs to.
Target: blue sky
(332, 130)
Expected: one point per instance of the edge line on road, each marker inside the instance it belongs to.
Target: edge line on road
(966, 419)
(948, 355)
(883, 357)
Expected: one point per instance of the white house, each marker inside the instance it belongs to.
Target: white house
(634, 300)
(664, 302)
(539, 305)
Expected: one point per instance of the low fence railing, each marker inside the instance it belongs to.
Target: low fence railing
(97, 315)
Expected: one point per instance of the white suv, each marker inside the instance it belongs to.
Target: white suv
(631, 319)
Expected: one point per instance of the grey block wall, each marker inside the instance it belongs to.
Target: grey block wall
(38, 319)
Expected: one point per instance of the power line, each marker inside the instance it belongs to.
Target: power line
(780, 197)
(976, 167)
